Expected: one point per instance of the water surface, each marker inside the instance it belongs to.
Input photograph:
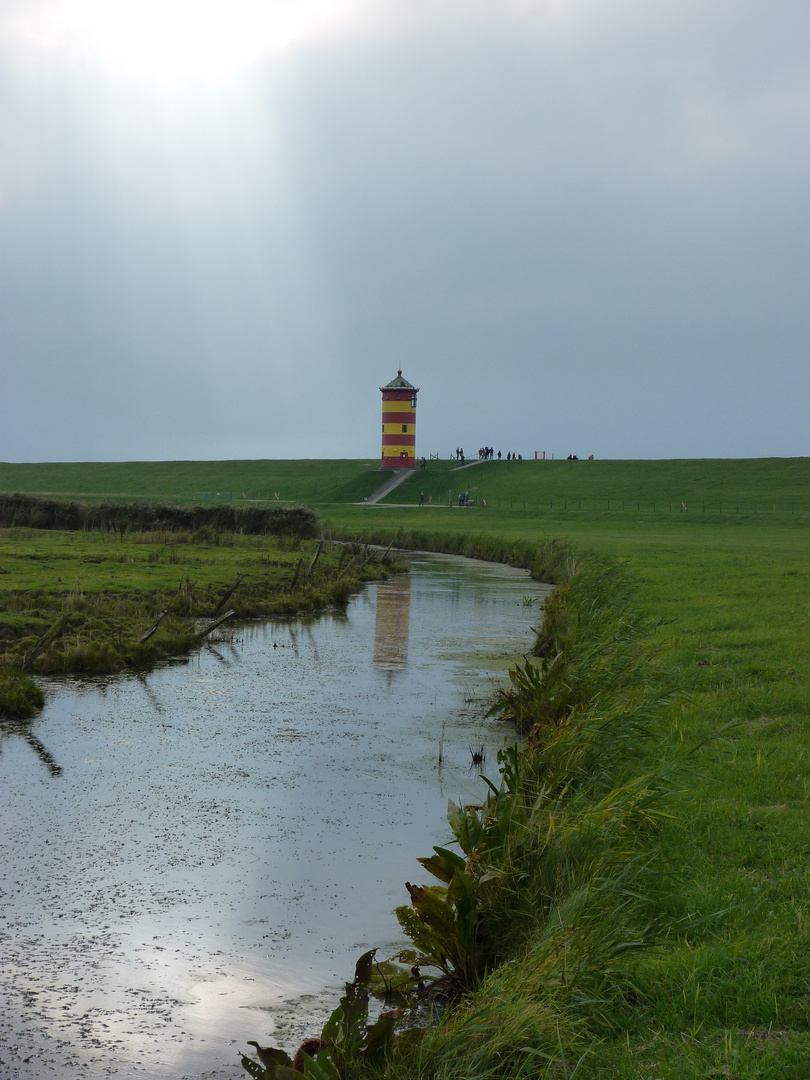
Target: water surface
(196, 857)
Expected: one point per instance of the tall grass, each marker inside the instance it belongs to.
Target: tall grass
(593, 644)
(25, 511)
(548, 559)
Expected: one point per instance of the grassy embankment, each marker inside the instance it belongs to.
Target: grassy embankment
(710, 489)
(727, 992)
(307, 482)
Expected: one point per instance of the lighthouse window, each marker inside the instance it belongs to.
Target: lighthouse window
(413, 401)
(405, 427)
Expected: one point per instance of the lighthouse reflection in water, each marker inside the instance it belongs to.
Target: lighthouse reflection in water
(392, 622)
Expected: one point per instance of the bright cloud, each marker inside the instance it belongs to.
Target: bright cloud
(171, 41)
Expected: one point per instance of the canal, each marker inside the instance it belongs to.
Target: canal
(196, 856)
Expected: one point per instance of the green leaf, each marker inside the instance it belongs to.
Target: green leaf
(380, 1035)
(364, 967)
(278, 1069)
(320, 1068)
(254, 1068)
(443, 864)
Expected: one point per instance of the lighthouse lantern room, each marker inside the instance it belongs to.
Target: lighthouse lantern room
(399, 424)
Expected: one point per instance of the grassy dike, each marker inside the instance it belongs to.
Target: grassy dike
(641, 906)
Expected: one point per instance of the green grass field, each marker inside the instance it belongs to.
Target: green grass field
(772, 486)
(729, 580)
(310, 482)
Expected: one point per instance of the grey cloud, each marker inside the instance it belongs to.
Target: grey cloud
(581, 225)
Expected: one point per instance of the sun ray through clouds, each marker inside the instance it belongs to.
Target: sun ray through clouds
(171, 41)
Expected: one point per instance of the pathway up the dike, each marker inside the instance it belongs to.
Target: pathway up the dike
(388, 485)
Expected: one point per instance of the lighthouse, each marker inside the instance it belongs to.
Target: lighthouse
(399, 424)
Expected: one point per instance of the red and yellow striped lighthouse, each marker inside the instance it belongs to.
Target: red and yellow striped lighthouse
(399, 424)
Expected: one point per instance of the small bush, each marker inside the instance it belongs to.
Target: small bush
(20, 697)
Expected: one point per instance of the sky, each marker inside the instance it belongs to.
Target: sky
(578, 226)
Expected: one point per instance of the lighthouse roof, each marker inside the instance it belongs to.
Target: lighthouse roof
(399, 384)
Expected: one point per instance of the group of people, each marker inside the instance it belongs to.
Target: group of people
(485, 453)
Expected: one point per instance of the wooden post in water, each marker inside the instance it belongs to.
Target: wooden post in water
(316, 557)
(217, 622)
(45, 641)
(154, 626)
(368, 555)
(229, 594)
(294, 582)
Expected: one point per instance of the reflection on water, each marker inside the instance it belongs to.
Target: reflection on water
(392, 621)
(209, 847)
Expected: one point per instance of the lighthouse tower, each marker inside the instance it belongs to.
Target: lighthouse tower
(399, 424)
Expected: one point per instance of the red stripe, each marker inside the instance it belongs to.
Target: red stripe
(399, 440)
(396, 395)
(399, 417)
